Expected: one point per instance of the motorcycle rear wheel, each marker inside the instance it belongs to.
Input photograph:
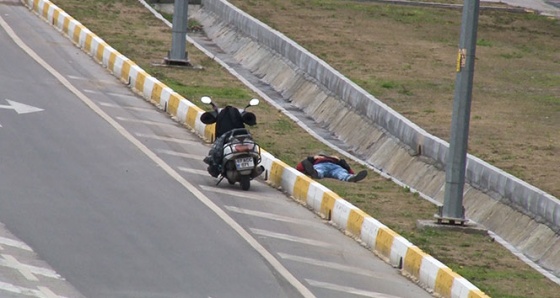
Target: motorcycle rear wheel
(245, 182)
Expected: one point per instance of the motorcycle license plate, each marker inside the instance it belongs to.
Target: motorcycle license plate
(244, 163)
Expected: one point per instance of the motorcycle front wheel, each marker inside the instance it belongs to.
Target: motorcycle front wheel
(245, 182)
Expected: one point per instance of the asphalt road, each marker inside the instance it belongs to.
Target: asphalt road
(103, 195)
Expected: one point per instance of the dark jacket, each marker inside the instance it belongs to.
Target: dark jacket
(311, 160)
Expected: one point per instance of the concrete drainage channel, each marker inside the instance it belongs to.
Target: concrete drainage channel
(288, 87)
(393, 142)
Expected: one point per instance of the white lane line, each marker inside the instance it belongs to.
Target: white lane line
(348, 290)
(11, 262)
(14, 243)
(205, 173)
(146, 122)
(127, 96)
(193, 171)
(274, 263)
(180, 154)
(244, 194)
(332, 265)
(168, 139)
(76, 78)
(110, 105)
(273, 216)
(290, 238)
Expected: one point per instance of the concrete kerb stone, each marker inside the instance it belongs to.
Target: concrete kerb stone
(378, 237)
(497, 180)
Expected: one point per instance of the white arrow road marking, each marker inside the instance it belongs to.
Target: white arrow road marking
(14, 243)
(20, 108)
(268, 256)
(43, 292)
(47, 292)
(11, 262)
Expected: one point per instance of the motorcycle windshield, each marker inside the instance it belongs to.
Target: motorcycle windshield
(229, 118)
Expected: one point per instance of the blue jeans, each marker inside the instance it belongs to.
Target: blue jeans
(331, 170)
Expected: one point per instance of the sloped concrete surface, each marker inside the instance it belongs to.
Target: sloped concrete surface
(393, 145)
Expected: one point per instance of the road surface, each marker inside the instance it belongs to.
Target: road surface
(103, 195)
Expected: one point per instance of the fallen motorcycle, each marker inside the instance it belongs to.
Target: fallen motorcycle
(234, 156)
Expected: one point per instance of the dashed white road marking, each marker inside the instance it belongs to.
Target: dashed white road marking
(348, 290)
(146, 122)
(14, 243)
(290, 238)
(11, 262)
(180, 154)
(168, 139)
(110, 105)
(273, 216)
(128, 96)
(193, 171)
(332, 265)
(244, 194)
(76, 78)
(268, 256)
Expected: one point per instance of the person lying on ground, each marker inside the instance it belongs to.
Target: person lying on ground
(329, 166)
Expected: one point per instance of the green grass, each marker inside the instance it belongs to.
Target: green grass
(402, 86)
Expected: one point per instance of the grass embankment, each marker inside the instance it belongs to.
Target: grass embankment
(404, 56)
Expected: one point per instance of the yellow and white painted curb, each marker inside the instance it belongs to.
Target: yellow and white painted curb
(396, 250)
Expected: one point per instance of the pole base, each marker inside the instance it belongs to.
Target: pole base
(177, 62)
(470, 228)
(450, 220)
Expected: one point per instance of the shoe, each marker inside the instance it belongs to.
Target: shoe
(310, 170)
(358, 177)
(213, 171)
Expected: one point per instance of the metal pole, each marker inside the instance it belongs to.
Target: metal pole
(178, 54)
(453, 209)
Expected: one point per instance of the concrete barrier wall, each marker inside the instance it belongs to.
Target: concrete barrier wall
(527, 199)
(396, 250)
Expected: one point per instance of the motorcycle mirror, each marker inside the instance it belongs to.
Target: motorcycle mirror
(254, 102)
(206, 100)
